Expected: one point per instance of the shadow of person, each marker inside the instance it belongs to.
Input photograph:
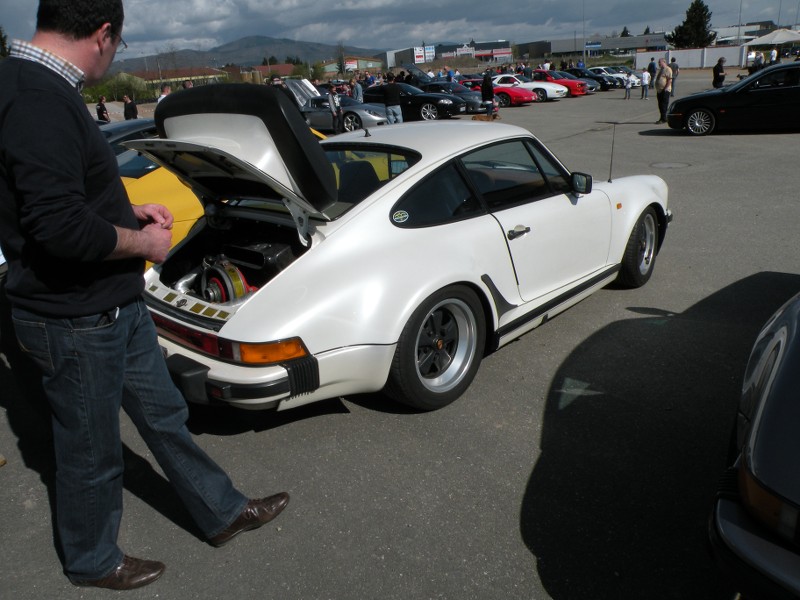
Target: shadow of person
(634, 439)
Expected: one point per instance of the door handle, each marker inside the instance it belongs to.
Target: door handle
(518, 231)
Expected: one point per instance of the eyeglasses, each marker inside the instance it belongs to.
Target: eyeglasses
(121, 45)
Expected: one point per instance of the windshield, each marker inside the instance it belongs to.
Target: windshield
(410, 89)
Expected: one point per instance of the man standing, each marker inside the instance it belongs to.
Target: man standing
(651, 68)
(335, 105)
(76, 249)
(129, 110)
(663, 86)
(718, 79)
(165, 91)
(356, 90)
(102, 111)
(391, 98)
(673, 66)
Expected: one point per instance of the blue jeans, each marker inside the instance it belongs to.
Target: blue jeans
(394, 114)
(91, 366)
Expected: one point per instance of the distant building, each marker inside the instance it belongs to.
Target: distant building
(491, 52)
(594, 46)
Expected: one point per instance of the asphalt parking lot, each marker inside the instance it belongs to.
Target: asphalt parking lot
(580, 464)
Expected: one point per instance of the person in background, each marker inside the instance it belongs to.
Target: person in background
(187, 84)
(487, 94)
(129, 108)
(76, 250)
(356, 91)
(628, 83)
(165, 91)
(391, 98)
(651, 68)
(673, 66)
(335, 104)
(645, 83)
(102, 111)
(718, 79)
(663, 87)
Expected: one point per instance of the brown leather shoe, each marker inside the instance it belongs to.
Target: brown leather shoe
(255, 514)
(131, 573)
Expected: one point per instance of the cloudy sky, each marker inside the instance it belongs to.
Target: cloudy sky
(157, 26)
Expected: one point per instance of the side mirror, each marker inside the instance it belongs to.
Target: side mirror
(581, 183)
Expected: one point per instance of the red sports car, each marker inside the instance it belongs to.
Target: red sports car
(575, 87)
(506, 96)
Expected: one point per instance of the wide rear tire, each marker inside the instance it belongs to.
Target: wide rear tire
(439, 351)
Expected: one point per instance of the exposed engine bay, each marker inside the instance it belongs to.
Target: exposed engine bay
(230, 259)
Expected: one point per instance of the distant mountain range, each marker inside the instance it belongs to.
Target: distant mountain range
(246, 52)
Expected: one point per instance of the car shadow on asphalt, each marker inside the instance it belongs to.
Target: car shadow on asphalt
(618, 500)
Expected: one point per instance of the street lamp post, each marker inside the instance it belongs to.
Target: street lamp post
(584, 33)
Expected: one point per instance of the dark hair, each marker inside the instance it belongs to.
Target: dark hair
(79, 18)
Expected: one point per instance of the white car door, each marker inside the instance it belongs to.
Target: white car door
(555, 238)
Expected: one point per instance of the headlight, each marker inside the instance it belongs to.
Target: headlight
(372, 113)
(445, 101)
(776, 513)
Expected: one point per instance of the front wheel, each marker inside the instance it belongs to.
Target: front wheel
(428, 112)
(352, 122)
(439, 351)
(640, 253)
(541, 95)
(700, 122)
(504, 100)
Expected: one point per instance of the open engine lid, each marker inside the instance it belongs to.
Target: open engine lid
(232, 141)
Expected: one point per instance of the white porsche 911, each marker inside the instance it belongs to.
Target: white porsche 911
(389, 259)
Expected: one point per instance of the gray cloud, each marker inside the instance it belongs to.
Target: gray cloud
(152, 26)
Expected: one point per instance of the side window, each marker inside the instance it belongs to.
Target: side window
(441, 198)
(506, 175)
(559, 183)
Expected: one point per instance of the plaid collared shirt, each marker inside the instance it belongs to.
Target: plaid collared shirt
(27, 51)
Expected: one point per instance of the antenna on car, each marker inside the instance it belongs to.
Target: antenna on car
(367, 133)
(611, 163)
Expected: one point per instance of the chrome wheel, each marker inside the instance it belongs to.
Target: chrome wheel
(640, 252)
(446, 344)
(700, 122)
(541, 95)
(504, 100)
(439, 350)
(428, 112)
(352, 122)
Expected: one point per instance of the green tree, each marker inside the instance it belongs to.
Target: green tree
(3, 44)
(340, 63)
(646, 30)
(695, 31)
(625, 32)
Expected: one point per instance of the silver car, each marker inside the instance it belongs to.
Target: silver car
(317, 112)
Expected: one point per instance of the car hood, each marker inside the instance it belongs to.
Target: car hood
(243, 141)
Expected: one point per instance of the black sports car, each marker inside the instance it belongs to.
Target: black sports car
(755, 526)
(606, 81)
(417, 104)
(767, 99)
(472, 98)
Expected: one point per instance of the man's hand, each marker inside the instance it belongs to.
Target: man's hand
(153, 213)
(151, 242)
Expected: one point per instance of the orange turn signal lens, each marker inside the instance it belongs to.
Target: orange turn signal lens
(271, 352)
